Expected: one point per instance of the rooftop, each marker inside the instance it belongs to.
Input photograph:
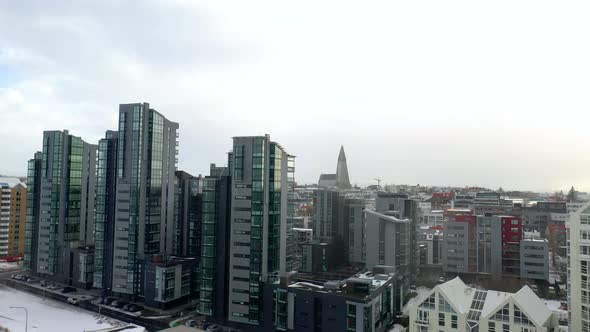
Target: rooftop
(387, 217)
(359, 286)
(11, 182)
(461, 297)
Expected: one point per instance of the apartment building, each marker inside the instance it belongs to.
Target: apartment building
(454, 306)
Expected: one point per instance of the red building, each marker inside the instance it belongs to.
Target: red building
(511, 229)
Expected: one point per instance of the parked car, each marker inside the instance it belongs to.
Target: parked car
(127, 306)
(192, 323)
(73, 301)
(119, 303)
(54, 287)
(213, 328)
(68, 289)
(31, 280)
(135, 308)
(107, 300)
(44, 283)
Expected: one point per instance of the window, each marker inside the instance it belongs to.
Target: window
(454, 321)
(505, 328)
(441, 319)
(502, 314)
(444, 306)
(429, 302)
(422, 316)
(491, 327)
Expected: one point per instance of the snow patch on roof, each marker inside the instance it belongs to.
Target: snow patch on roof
(532, 305)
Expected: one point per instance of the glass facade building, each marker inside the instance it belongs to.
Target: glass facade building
(259, 197)
(62, 203)
(214, 248)
(106, 168)
(144, 203)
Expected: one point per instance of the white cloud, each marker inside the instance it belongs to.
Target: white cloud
(418, 92)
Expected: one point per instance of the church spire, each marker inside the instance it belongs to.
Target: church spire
(342, 180)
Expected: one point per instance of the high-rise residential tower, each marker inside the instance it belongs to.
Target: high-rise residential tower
(213, 292)
(62, 204)
(258, 223)
(32, 222)
(189, 201)
(104, 224)
(578, 251)
(144, 213)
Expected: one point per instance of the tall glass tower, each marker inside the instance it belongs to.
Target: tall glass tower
(62, 203)
(104, 225)
(144, 213)
(258, 223)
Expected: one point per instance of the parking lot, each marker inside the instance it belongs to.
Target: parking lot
(85, 301)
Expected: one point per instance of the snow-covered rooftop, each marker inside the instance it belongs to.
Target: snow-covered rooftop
(460, 297)
(532, 305)
(11, 182)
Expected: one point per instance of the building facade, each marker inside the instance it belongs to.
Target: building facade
(215, 231)
(104, 220)
(61, 215)
(144, 213)
(453, 306)
(188, 211)
(354, 217)
(32, 222)
(578, 251)
(257, 251)
(13, 215)
(168, 280)
(363, 302)
(494, 246)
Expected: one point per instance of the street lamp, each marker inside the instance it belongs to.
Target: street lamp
(26, 317)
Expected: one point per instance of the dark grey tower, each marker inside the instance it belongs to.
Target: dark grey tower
(342, 180)
(61, 212)
(144, 215)
(104, 224)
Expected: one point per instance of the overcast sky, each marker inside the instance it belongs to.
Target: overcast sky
(419, 92)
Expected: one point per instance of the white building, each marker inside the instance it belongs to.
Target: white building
(453, 306)
(433, 218)
(578, 251)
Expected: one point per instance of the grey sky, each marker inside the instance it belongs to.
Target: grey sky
(458, 93)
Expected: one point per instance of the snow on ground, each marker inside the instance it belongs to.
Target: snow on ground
(47, 315)
(8, 266)
(397, 328)
(423, 292)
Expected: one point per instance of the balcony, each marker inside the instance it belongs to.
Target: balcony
(420, 322)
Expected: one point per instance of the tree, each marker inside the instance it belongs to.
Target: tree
(500, 190)
(572, 195)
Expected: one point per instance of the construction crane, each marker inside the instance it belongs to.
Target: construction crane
(378, 182)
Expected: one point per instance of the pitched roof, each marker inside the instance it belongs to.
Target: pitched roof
(532, 306)
(494, 301)
(327, 177)
(457, 294)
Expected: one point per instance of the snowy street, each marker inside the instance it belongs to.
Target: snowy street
(46, 315)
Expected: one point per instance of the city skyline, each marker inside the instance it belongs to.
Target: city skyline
(412, 98)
